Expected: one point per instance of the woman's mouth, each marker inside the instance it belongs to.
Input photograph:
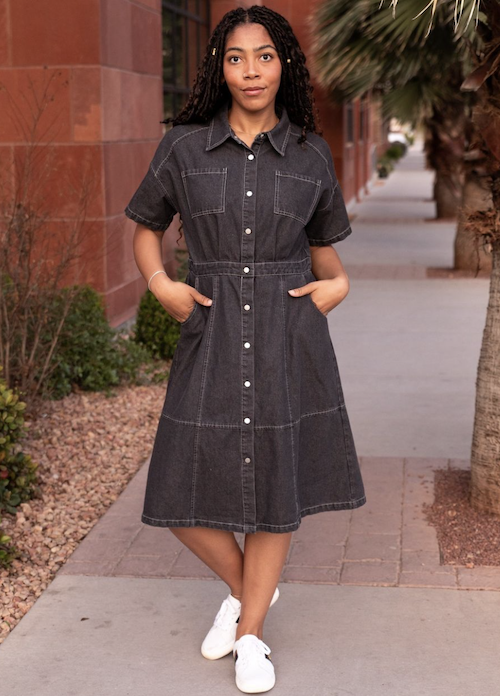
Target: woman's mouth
(253, 91)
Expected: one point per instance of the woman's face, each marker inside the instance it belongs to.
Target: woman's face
(251, 60)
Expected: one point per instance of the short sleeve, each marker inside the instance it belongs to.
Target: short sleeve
(330, 221)
(153, 204)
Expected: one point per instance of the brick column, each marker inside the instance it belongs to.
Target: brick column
(103, 60)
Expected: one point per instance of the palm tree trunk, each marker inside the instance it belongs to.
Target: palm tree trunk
(485, 454)
(476, 196)
(444, 148)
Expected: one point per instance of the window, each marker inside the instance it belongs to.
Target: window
(185, 35)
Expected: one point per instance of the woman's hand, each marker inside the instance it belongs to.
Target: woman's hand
(177, 297)
(326, 294)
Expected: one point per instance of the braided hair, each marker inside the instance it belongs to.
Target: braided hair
(209, 92)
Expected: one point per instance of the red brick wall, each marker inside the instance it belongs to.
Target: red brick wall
(105, 61)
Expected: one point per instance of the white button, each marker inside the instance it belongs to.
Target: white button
(246, 269)
(247, 306)
(247, 420)
(248, 230)
(261, 135)
(247, 460)
(250, 157)
(247, 383)
(247, 344)
(249, 193)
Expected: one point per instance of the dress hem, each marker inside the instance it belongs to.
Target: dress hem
(252, 528)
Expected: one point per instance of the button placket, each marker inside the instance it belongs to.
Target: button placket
(247, 284)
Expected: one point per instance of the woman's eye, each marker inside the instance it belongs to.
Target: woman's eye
(269, 55)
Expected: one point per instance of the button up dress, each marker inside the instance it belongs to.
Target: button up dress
(254, 432)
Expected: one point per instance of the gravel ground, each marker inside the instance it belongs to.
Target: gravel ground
(88, 447)
(466, 537)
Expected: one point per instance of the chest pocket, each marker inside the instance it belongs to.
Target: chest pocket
(205, 190)
(295, 195)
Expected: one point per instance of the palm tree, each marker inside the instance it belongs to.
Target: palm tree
(484, 149)
(374, 51)
(484, 80)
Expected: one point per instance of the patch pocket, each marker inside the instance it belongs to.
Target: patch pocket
(295, 195)
(205, 190)
(309, 277)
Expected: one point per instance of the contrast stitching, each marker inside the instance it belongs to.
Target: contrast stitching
(299, 177)
(202, 389)
(165, 192)
(256, 427)
(330, 238)
(159, 226)
(324, 160)
(282, 294)
(220, 172)
(255, 263)
(165, 159)
(345, 504)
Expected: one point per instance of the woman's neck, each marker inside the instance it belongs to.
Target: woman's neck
(249, 122)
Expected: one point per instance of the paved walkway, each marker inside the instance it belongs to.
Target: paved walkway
(366, 608)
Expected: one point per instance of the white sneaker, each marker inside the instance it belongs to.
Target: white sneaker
(254, 670)
(220, 639)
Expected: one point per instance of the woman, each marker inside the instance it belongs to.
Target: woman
(254, 432)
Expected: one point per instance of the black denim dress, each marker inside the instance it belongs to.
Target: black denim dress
(254, 432)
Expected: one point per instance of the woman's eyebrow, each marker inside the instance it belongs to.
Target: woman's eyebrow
(237, 48)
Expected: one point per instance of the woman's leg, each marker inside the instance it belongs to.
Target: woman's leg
(219, 550)
(264, 557)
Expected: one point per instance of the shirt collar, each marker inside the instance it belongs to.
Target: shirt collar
(219, 130)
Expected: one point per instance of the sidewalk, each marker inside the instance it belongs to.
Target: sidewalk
(366, 608)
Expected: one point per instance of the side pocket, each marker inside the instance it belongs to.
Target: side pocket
(196, 304)
(309, 277)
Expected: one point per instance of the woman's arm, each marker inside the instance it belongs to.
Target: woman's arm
(326, 263)
(176, 297)
(147, 253)
(332, 284)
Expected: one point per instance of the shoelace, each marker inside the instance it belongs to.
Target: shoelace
(225, 616)
(250, 648)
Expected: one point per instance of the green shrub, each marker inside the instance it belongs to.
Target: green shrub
(384, 166)
(18, 479)
(395, 151)
(90, 353)
(7, 551)
(17, 470)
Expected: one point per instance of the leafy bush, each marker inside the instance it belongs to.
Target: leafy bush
(396, 151)
(90, 353)
(384, 166)
(17, 470)
(7, 551)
